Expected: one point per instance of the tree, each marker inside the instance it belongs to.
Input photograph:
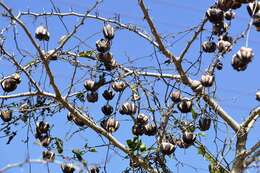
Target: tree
(143, 111)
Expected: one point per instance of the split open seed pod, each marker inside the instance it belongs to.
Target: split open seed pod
(119, 86)
(128, 108)
(42, 34)
(48, 156)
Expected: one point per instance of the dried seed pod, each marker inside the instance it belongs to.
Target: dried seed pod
(50, 55)
(105, 57)
(67, 168)
(41, 33)
(89, 85)
(78, 121)
(236, 5)
(185, 106)
(24, 108)
(48, 156)
(181, 144)
(257, 95)
(108, 94)
(256, 21)
(219, 28)
(150, 129)
(110, 125)
(111, 65)
(42, 127)
(92, 96)
(204, 123)
(128, 109)
(45, 140)
(225, 4)
(196, 86)
(229, 15)
(224, 46)
(94, 169)
(176, 96)
(207, 80)
(142, 119)
(253, 8)
(209, 46)
(108, 32)
(6, 115)
(215, 15)
(219, 65)
(10, 83)
(242, 58)
(134, 164)
(103, 45)
(167, 148)
(188, 137)
(138, 129)
(170, 138)
(107, 109)
(119, 86)
(245, 1)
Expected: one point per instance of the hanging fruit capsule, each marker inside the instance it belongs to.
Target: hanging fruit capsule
(108, 32)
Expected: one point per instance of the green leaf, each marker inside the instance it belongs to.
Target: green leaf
(81, 97)
(194, 114)
(78, 154)
(202, 134)
(142, 147)
(93, 150)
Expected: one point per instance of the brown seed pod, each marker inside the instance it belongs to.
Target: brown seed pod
(188, 137)
(196, 86)
(78, 121)
(245, 1)
(105, 57)
(108, 32)
(45, 140)
(10, 83)
(6, 115)
(41, 33)
(150, 129)
(24, 108)
(128, 109)
(219, 28)
(225, 4)
(67, 168)
(226, 37)
(89, 85)
(181, 144)
(108, 94)
(185, 105)
(224, 46)
(107, 109)
(229, 15)
(256, 21)
(215, 15)
(138, 129)
(170, 138)
(42, 127)
(236, 5)
(209, 46)
(111, 65)
(48, 156)
(92, 96)
(207, 80)
(253, 8)
(204, 123)
(176, 96)
(110, 125)
(242, 58)
(257, 95)
(167, 148)
(219, 65)
(94, 169)
(119, 86)
(142, 119)
(134, 164)
(103, 45)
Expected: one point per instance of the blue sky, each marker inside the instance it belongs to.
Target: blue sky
(235, 90)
